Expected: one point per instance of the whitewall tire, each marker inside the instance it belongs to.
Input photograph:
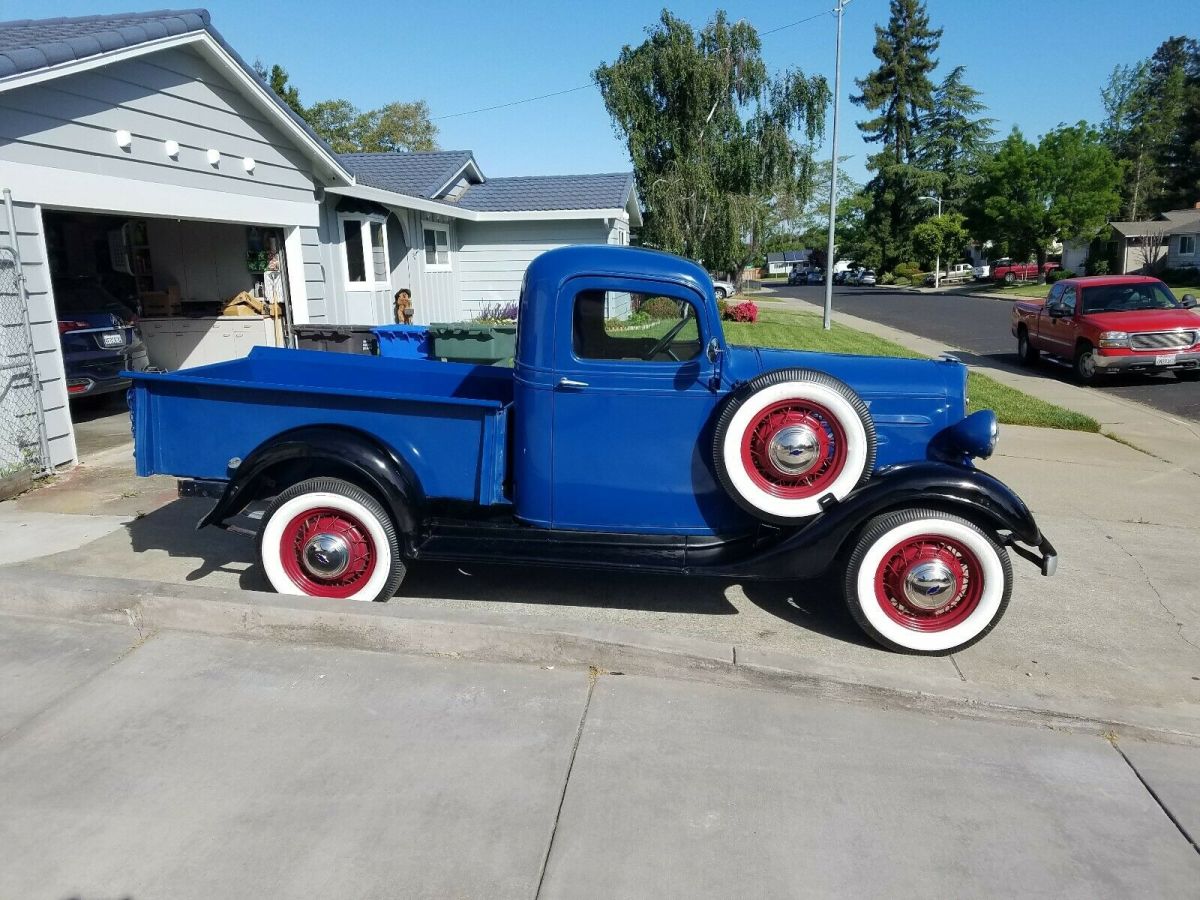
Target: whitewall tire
(925, 581)
(328, 538)
(790, 439)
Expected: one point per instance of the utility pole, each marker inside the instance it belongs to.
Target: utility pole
(937, 264)
(833, 172)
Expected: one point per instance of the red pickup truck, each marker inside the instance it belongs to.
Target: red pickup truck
(1008, 271)
(1105, 324)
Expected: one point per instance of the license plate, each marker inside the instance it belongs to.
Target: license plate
(112, 339)
(1165, 359)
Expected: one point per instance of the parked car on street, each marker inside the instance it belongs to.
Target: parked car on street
(1007, 271)
(983, 272)
(853, 276)
(723, 289)
(1108, 324)
(816, 276)
(609, 447)
(798, 275)
(99, 336)
(867, 278)
(955, 274)
(839, 277)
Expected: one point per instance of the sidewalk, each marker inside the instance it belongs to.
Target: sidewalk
(1171, 439)
(179, 765)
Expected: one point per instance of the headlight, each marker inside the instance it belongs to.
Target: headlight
(974, 436)
(1114, 339)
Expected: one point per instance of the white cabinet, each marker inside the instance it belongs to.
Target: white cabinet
(181, 343)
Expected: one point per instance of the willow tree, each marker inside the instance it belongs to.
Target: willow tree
(712, 136)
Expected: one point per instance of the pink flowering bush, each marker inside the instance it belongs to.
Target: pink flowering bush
(742, 312)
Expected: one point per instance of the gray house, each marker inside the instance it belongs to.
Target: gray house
(1149, 245)
(145, 156)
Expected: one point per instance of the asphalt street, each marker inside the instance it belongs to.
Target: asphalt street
(981, 325)
(178, 765)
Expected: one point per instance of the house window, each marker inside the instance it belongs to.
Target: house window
(356, 267)
(364, 252)
(437, 247)
(1187, 244)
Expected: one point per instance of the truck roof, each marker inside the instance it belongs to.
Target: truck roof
(1101, 280)
(555, 266)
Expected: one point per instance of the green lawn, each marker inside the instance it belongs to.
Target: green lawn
(803, 331)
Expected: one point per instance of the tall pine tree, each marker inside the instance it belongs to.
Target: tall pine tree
(954, 138)
(900, 93)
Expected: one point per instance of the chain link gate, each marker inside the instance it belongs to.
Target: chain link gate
(23, 446)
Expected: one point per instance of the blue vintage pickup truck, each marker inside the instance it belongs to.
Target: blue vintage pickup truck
(617, 441)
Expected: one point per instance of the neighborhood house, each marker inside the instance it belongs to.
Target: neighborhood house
(1167, 241)
(147, 162)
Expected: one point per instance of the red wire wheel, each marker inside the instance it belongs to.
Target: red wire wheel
(824, 451)
(929, 583)
(327, 553)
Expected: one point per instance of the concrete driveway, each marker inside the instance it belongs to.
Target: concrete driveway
(981, 326)
(1116, 633)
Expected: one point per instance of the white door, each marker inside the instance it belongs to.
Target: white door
(365, 252)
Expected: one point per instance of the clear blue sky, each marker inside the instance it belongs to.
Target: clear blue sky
(1037, 64)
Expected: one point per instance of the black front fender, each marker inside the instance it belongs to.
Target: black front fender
(962, 491)
(323, 450)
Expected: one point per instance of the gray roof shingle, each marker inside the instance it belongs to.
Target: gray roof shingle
(414, 174)
(27, 45)
(548, 192)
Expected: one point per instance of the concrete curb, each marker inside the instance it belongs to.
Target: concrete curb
(149, 607)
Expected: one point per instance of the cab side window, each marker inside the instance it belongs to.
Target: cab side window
(1056, 293)
(617, 325)
(1067, 302)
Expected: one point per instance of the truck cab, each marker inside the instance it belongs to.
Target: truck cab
(629, 434)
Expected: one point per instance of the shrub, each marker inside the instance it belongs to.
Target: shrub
(887, 278)
(901, 281)
(1097, 266)
(1058, 275)
(743, 312)
(723, 308)
(909, 270)
(660, 308)
(1185, 276)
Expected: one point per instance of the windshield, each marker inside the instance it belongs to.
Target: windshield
(1128, 297)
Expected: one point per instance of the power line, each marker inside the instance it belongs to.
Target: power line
(483, 109)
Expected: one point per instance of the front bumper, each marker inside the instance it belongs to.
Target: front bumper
(1145, 361)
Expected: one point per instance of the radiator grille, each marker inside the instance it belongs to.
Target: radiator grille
(1163, 340)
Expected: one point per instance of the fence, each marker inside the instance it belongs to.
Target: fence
(23, 450)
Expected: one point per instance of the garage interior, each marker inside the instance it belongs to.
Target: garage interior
(200, 293)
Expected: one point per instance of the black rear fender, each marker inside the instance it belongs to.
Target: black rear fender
(316, 451)
(967, 493)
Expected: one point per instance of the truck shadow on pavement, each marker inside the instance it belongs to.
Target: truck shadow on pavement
(220, 559)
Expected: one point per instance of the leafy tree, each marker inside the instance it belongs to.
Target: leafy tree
(954, 138)
(1175, 77)
(901, 94)
(942, 236)
(277, 78)
(710, 135)
(1064, 188)
(396, 126)
(347, 129)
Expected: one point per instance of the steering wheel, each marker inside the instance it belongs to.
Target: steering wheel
(664, 342)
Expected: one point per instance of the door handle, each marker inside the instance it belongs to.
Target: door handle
(571, 383)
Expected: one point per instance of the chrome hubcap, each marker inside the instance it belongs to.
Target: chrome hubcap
(326, 555)
(929, 585)
(794, 450)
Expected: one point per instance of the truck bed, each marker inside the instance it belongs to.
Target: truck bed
(447, 420)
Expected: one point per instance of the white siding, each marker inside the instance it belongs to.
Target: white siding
(43, 319)
(314, 274)
(1177, 260)
(493, 256)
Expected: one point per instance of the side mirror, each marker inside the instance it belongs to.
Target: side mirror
(713, 351)
(1055, 311)
(1189, 301)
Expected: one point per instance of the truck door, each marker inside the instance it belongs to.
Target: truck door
(633, 409)
(1058, 331)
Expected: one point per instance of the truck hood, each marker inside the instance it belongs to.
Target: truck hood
(1144, 320)
(871, 377)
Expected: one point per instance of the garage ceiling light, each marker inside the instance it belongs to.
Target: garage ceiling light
(124, 139)
(172, 148)
(214, 157)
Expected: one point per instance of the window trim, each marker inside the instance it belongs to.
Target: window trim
(1189, 237)
(448, 265)
(365, 221)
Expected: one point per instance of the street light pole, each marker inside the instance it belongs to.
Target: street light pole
(937, 263)
(837, 96)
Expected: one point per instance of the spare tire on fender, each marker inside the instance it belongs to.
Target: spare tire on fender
(788, 439)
